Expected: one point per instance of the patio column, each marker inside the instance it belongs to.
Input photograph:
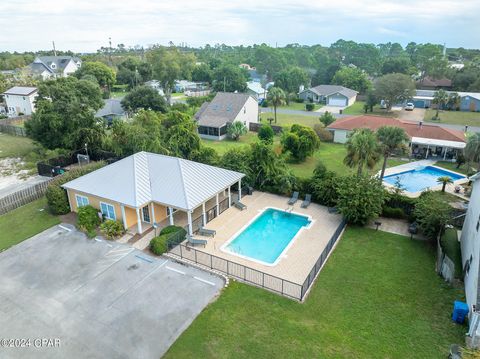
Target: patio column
(139, 221)
(123, 217)
(239, 190)
(229, 197)
(152, 220)
(170, 215)
(445, 153)
(204, 215)
(218, 205)
(189, 218)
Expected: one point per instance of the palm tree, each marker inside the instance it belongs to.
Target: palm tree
(440, 99)
(362, 150)
(472, 150)
(391, 139)
(276, 97)
(444, 180)
(453, 101)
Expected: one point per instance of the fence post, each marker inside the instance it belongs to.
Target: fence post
(195, 256)
(181, 256)
(211, 266)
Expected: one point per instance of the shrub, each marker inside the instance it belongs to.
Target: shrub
(327, 118)
(391, 212)
(300, 142)
(57, 197)
(309, 106)
(172, 229)
(236, 129)
(112, 229)
(432, 214)
(158, 245)
(323, 134)
(299, 100)
(88, 218)
(266, 134)
(324, 188)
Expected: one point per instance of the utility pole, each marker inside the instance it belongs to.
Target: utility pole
(110, 50)
(54, 50)
(224, 83)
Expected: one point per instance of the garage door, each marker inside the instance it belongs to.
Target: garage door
(332, 101)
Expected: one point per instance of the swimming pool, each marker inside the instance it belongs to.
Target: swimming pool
(267, 236)
(421, 178)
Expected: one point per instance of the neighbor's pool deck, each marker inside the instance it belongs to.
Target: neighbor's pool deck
(412, 165)
(300, 257)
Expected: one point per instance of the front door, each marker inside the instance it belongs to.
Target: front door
(146, 214)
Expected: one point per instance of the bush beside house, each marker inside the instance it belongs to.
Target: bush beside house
(112, 229)
(172, 234)
(88, 220)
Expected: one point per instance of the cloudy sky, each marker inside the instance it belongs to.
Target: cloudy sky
(86, 25)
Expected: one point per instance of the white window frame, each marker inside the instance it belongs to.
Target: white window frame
(77, 197)
(107, 215)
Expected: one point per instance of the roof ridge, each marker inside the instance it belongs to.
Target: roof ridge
(180, 162)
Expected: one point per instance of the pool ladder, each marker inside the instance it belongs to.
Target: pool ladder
(289, 209)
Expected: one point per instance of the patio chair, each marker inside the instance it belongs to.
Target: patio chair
(240, 205)
(207, 232)
(293, 199)
(193, 241)
(307, 201)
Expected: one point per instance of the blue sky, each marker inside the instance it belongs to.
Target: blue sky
(85, 25)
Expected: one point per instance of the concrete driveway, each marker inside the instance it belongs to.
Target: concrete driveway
(416, 115)
(73, 297)
(332, 109)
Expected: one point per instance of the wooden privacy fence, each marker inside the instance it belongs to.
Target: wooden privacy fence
(254, 127)
(23, 196)
(13, 130)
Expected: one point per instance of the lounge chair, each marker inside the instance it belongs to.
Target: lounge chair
(240, 205)
(294, 198)
(194, 241)
(207, 232)
(307, 201)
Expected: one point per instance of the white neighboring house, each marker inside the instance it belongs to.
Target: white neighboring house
(470, 244)
(256, 90)
(20, 100)
(214, 117)
(54, 66)
(332, 95)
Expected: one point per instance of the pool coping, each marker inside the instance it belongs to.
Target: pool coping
(224, 246)
(437, 187)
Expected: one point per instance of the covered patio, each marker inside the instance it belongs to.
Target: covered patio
(424, 148)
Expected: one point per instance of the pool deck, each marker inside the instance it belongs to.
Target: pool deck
(413, 165)
(302, 254)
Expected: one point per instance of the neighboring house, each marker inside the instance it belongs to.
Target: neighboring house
(54, 66)
(111, 110)
(469, 101)
(148, 188)
(256, 90)
(188, 86)
(429, 83)
(20, 100)
(214, 117)
(155, 84)
(470, 245)
(332, 95)
(426, 140)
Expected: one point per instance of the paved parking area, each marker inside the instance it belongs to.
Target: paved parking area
(97, 299)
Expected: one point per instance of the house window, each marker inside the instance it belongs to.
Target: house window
(173, 211)
(81, 201)
(108, 211)
(245, 109)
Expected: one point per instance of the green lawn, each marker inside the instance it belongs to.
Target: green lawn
(451, 246)
(377, 297)
(288, 120)
(454, 117)
(24, 222)
(357, 109)
(299, 106)
(15, 146)
(451, 166)
(222, 146)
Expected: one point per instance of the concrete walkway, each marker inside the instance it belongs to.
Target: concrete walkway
(394, 225)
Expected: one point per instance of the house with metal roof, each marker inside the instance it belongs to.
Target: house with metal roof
(147, 188)
(469, 101)
(426, 140)
(215, 117)
(20, 100)
(54, 66)
(331, 95)
(256, 90)
(112, 109)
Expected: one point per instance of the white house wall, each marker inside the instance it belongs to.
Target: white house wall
(249, 113)
(70, 68)
(340, 136)
(20, 104)
(470, 244)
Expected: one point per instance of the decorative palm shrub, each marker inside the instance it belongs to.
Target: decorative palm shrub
(112, 229)
(88, 219)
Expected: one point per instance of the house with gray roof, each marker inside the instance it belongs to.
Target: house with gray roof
(148, 188)
(111, 110)
(215, 117)
(20, 100)
(331, 95)
(54, 66)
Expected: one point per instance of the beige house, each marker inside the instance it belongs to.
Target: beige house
(147, 188)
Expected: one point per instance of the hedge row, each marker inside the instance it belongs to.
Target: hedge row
(159, 245)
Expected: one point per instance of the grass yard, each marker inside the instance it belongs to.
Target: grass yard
(299, 106)
(377, 297)
(451, 246)
(463, 118)
(24, 222)
(285, 120)
(222, 146)
(357, 109)
(15, 146)
(452, 166)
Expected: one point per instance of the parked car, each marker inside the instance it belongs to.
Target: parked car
(409, 106)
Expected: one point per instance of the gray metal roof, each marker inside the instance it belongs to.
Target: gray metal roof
(327, 90)
(21, 90)
(223, 109)
(42, 63)
(111, 106)
(143, 177)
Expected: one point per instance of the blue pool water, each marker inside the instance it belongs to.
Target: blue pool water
(421, 178)
(268, 235)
